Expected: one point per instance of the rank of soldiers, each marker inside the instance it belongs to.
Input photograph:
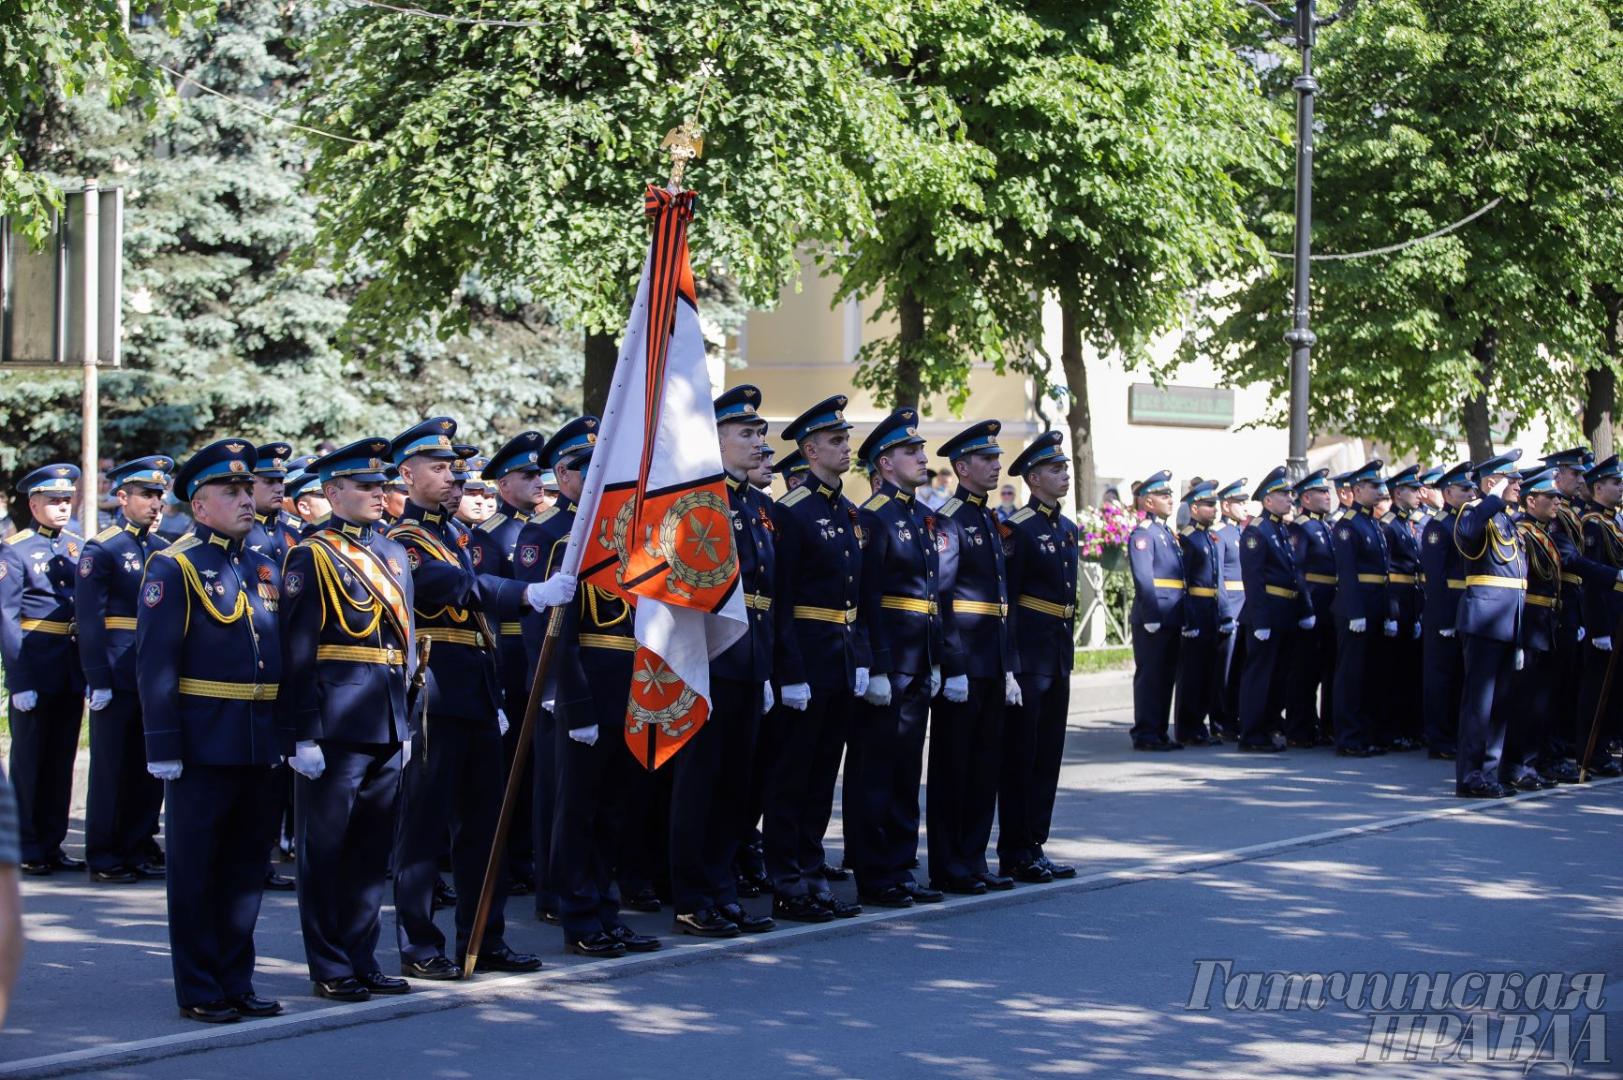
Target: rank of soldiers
(371, 618)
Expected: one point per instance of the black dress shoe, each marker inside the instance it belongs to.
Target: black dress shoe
(379, 983)
(1325, 740)
(439, 968)
(894, 896)
(1171, 744)
(1300, 744)
(1258, 748)
(923, 894)
(1563, 772)
(633, 941)
(444, 895)
(152, 854)
(505, 959)
(551, 918)
(1527, 781)
(598, 946)
(37, 867)
(348, 988)
(1031, 873)
(1056, 870)
(211, 1012)
(840, 909)
(644, 900)
(801, 909)
(276, 882)
(149, 871)
(1199, 740)
(118, 876)
(1353, 751)
(961, 886)
(1151, 746)
(64, 861)
(834, 873)
(1440, 755)
(746, 888)
(520, 886)
(996, 882)
(251, 1004)
(706, 922)
(1605, 767)
(1483, 789)
(746, 923)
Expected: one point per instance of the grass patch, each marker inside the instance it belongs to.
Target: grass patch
(1105, 658)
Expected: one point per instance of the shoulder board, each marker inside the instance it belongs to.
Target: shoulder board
(1389, 519)
(1593, 515)
(1187, 530)
(1025, 513)
(491, 523)
(950, 507)
(17, 538)
(185, 543)
(876, 501)
(795, 496)
(544, 515)
(108, 533)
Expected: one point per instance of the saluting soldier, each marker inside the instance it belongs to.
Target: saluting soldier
(1530, 736)
(209, 666)
(122, 809)
(821, 663)
(966, 737)
(1157, 617)
(710, 782)
(1362, 563)
(1490, 625)
(1276, 607)
(1309, 714)
(1443, 568)
(1567, 533)
(1043, 552)
(1233, 514)
(1603, 604)
(349, 651)
(454, 776)
(1201, 653)
(1346, 498)
(41, 656)
(1400, 728)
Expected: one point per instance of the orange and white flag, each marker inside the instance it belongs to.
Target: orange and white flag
(654, 524)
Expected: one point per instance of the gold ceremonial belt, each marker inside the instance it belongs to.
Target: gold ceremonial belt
(512, 629)
(1372, 579)
(235, 691)
(453, 636)
(825, 614)
(119, 622)
(1400, 579)
(1572, 579)
(979, 607)
(1493, 581)
(1280, 590)
(1456, 583)
(1540, 601)
(1047, 607)
(1168, 583)
(757, 602)
(1201, 590)
(608, 641)
(1320, 579)
(49, 626)
(908, 603)
(1238, 586)
(361, 654)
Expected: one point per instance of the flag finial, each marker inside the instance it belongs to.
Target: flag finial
(685, 142)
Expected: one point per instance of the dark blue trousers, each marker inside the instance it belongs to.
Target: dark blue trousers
(1200, 684)
(966, 758)
(521, 856)
(806, 748)
(588, 821)
(884, 765)
(1033, 751)
(1485, 705)
(709, 794)
(1155, 671)
(543, 774)
(1530, 733)
(216, 828)
(1262, 685)
(123, 797)
(344, 823)
(1440, 686)
(1353, 727)
(44, 742)
(1310, 683)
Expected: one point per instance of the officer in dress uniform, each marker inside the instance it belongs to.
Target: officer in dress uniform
(454, 773)
(1567, 533)
(1043, 551)
(1401, 722)
(37, 569)
(304, 488)
(1431, 495)
(1490, 625)
(900, 610)
(821, 664)
(966, 737)
(1276, 607)
(122, 808)
(208, 667)
(347, 634)
(1346, 500)
(793, 469)
(1530, 736)
(1309, 716)
(1603, 604)
(1232, 516)
(1362, 599)
(1443, 571)
(710, 781)
(515, 470)
(1201, 653)
(1157, 616)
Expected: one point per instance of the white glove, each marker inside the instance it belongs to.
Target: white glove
(935, 680)
(1356, 626)
(767, 700)
(1581, 633)
(100, 699)
(1193, 631)
(405, 753)
(1262, 633)
(557, 589)
(1151, 627)
(957, 688)
(550, 705)
(1604, 644)
(1521, 658)
(585, 735)
(308, 760)
(1447, 633)
(1308, 623)
(1620, 575)
(165, 770)
(1226, 628)
(797, 696)
(1011, 689)
(1417, 631)
(859, 682)
(501, 721)
(878, 690)
(25, 700)
(1390, 628)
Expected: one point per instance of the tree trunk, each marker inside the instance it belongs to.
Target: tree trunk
(1477, 426)
(1600, 384)
(601, 353)
(909, 385)
(1084, 477)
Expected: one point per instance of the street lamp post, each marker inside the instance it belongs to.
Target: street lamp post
(1300, 336)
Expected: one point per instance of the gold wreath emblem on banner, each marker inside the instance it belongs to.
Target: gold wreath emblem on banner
(612, 536)
(651, 680)
(704, 515)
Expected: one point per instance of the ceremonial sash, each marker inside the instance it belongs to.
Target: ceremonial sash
(373, 575)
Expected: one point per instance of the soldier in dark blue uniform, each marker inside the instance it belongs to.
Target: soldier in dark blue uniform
(209, 665)
(1201, 653)
(1567, 532)
(37, 568)
(1043, 552)
(1603, 607)
(793, 468)
(821, 663)
(348, 651)
(454, 775)
(1157, 616)
(304, 488)
(966, 736)
(1400, 727)
(1232, 515)
(1309, 715)
(1490, 625)
(710, 783)
(1362, 610)
(394, 497)
(270, 536)
(1530, 737)
(122, 808)
(1443, 570)
(1276, 608)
